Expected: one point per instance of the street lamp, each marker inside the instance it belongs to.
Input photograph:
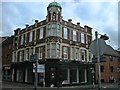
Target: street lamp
(98, 56)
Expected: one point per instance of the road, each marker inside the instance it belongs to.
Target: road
(20, 86)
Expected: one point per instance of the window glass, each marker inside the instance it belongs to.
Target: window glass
(82, 38)
(83, 55)
(30, 37)
(41, 33)
(53, 50)
(73, 53)
(65, 52)
(77, 53)
(65, 33)
(74, 36)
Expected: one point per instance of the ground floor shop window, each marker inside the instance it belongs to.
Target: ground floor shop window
(83, 76)
(19, 75)
(73, 75)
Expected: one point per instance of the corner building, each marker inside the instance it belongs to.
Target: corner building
(62, 49)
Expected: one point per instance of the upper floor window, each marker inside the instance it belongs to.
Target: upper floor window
(65, 52)
(21, 56)
(83, 55)
(14, 57)
(111, 68)
(102, 68)
(74, 36)
(53, 50)
(75, 53)
(41, 33)
(40, 52)
(82, 38)
(30, 36)
(65, 33)
(27, 54)
(22, 39)
(54, 16)
(53, 29)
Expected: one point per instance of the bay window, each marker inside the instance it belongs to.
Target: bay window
(53, 50)
(53, 29)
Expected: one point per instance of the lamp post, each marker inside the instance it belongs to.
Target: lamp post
(98, 56)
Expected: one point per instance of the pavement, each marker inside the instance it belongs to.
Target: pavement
(7, 85)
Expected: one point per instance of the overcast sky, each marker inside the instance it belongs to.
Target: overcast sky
(101, 15)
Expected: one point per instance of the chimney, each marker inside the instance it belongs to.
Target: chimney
(69, 20)
(78, 23)
(27, 26)
(36, 21)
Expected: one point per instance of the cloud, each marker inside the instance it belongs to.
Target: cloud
(101, 16)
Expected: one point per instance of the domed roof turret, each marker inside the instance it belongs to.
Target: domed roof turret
(54, 4)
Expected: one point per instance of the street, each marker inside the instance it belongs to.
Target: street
(20, 86)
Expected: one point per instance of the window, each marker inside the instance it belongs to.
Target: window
(54, 16)
(111, 58)
(74, 36)
(40, 52)
(53, 29)
(53, 50)
(21, 56)
(41, 33)
(65, 52)
(83, 75)
(58, 29)
(48, 50)
(31, 51)
(14, 57)
(111, 69)
(21, 39)
(27, 53)
(82, 38)
(102, 68)
(65, 33)
(30, 37)
(75, 54)
(83, 55)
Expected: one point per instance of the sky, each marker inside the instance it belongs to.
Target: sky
(101, 15)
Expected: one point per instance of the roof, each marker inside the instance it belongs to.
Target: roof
(103, 48)
(54, 4)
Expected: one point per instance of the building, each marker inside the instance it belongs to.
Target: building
(7, 47)
(61, 46)
(110, 66)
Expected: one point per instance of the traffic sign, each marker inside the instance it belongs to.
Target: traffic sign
(33, 58)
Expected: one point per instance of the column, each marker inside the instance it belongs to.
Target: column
(26, 74)
(68, 75)
(77, 75)
(13, 71)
